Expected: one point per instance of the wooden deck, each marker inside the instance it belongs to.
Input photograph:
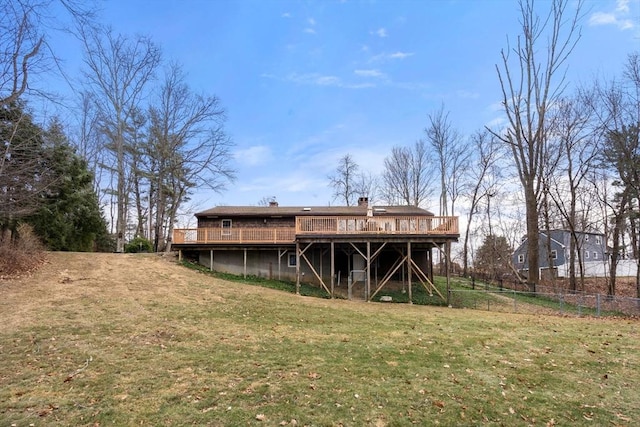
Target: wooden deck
(323, 226)
(418, 225)
(234, 235)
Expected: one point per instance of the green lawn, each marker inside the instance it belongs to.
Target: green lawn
(203, 351)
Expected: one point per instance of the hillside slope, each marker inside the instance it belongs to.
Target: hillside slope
(127, 339)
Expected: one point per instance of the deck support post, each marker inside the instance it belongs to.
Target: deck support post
(409, 271)
(211, 260)
(333, 266)
(367, 288)
(297, 268)
(244, 271)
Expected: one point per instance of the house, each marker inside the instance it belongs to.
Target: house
(590, 247)
(330, 246)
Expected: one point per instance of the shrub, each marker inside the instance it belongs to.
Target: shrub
(139, 244)
(20, 253)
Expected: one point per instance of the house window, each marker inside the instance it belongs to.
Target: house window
(586, 254)
(598, 241)
(292, 260)
(595, 255)
(586, 238)
(554, 254)
(521, 259)
(226, 227)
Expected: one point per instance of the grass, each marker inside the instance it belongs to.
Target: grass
(211, 352)
(280, 285)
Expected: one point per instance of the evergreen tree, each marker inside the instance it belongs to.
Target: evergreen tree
(23, 172)
(69, 217)
(494, 256)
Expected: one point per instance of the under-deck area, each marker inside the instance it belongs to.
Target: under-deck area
(359, 254)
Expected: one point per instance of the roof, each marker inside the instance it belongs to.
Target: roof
(270, 211)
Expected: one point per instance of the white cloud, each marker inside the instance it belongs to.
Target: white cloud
(400, 55)
(623, 6)
(617, 17)
(310, 28)
(602, 18)
(390, 56)
(382, 32)
(286, 15)
(325, 80)
(369, 73)
(255, 155)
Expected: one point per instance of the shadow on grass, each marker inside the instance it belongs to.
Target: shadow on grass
(419, 294)
(280, 285)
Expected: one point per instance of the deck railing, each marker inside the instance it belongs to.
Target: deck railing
(235, 235)
(434, 225)
(322, 225)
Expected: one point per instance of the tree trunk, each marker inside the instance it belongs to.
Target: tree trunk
(533, 238)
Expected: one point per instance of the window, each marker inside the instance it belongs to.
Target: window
(554, 254)
(292, 260)
(595, 255)
(521, 259)
(586, 254)
(226, 227)
(586, 238)
(598, 240)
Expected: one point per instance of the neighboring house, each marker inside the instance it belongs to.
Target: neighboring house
(327, 245)
(591, 247)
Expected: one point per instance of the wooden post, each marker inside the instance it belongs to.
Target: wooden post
(333, 267)
(297, 268)
(245, 263)
(211, 259)
(367, 289)
(409, 271)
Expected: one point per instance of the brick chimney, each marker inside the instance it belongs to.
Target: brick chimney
(363, 201)
(273, 204)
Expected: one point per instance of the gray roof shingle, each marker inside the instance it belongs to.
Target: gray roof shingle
(270, 211)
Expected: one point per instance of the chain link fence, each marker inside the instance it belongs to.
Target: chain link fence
(497, 298)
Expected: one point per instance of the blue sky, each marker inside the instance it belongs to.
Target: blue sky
(306, 82)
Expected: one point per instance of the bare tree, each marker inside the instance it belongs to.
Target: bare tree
(344, 180)
(367, 186)
(188, 148)
(267, 201)
(530, 86)
(452, 156)
(118, 70)
(24, 51)
(21, 41)
(481, 177)
(407, 176)
(617, 109)
(579, 147)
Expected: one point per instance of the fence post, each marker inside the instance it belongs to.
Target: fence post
(561, 304)
(598, 305)
(515, 302)
(580, 304)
